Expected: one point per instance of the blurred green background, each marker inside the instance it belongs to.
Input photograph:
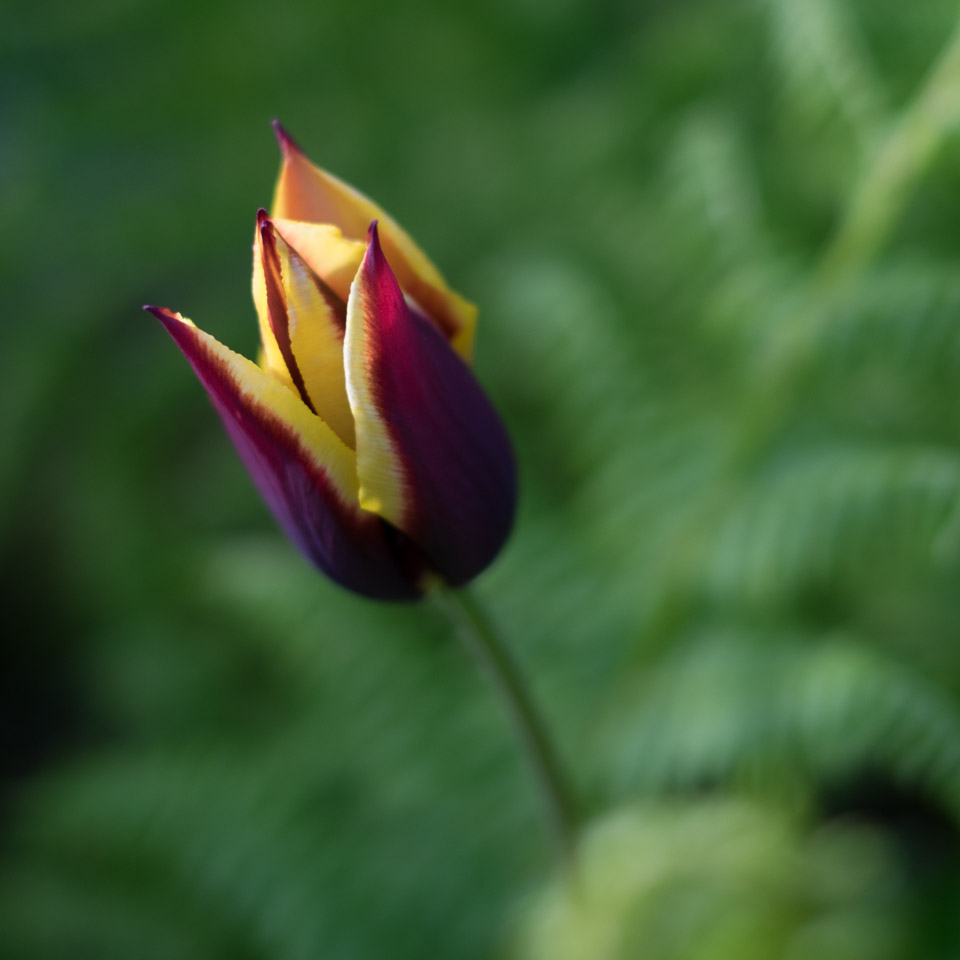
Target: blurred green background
(716, 248)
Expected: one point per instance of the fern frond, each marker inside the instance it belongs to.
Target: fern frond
(824, 66)
(828, 711)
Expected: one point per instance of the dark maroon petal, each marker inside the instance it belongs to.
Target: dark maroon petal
(447, 448)
(349, 545)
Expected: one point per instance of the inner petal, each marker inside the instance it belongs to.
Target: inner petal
(305, 321)
(324, 249)
(306, 192)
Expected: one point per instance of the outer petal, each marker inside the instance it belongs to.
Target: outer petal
(432, 456)
(306, 192)
(302, 325)
(306, 475)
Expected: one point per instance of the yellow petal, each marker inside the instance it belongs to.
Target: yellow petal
(324, 249)
(270, 358)
(302, 325)
(306, 192)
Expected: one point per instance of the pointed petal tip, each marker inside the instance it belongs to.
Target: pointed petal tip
(163, 314)
(268, 234)
(374, 248)
(266, 228)
(176, 323)
(287, 144)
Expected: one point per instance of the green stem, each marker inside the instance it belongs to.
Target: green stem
(494, 659)
(900, 162)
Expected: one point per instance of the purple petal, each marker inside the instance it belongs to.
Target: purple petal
(432, 455)
(305, 474)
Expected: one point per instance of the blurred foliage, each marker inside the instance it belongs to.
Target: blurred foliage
(721, 879)
(714, 246)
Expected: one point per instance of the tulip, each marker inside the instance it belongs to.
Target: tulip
(362, 425)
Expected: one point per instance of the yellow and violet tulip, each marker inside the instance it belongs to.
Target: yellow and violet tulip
(362, 425)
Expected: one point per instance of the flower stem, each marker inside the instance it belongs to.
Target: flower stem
(480, 637)
(900, 162)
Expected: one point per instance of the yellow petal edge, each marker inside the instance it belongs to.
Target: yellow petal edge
(306, 192)
(267, 396)
(379, 467)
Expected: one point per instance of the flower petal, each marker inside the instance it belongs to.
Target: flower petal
(270, 357)
(433, 458)
(305, 473)
(306, 192)
(303, 328)
(325, 250)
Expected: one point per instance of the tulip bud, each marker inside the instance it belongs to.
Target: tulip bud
(363, 426)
